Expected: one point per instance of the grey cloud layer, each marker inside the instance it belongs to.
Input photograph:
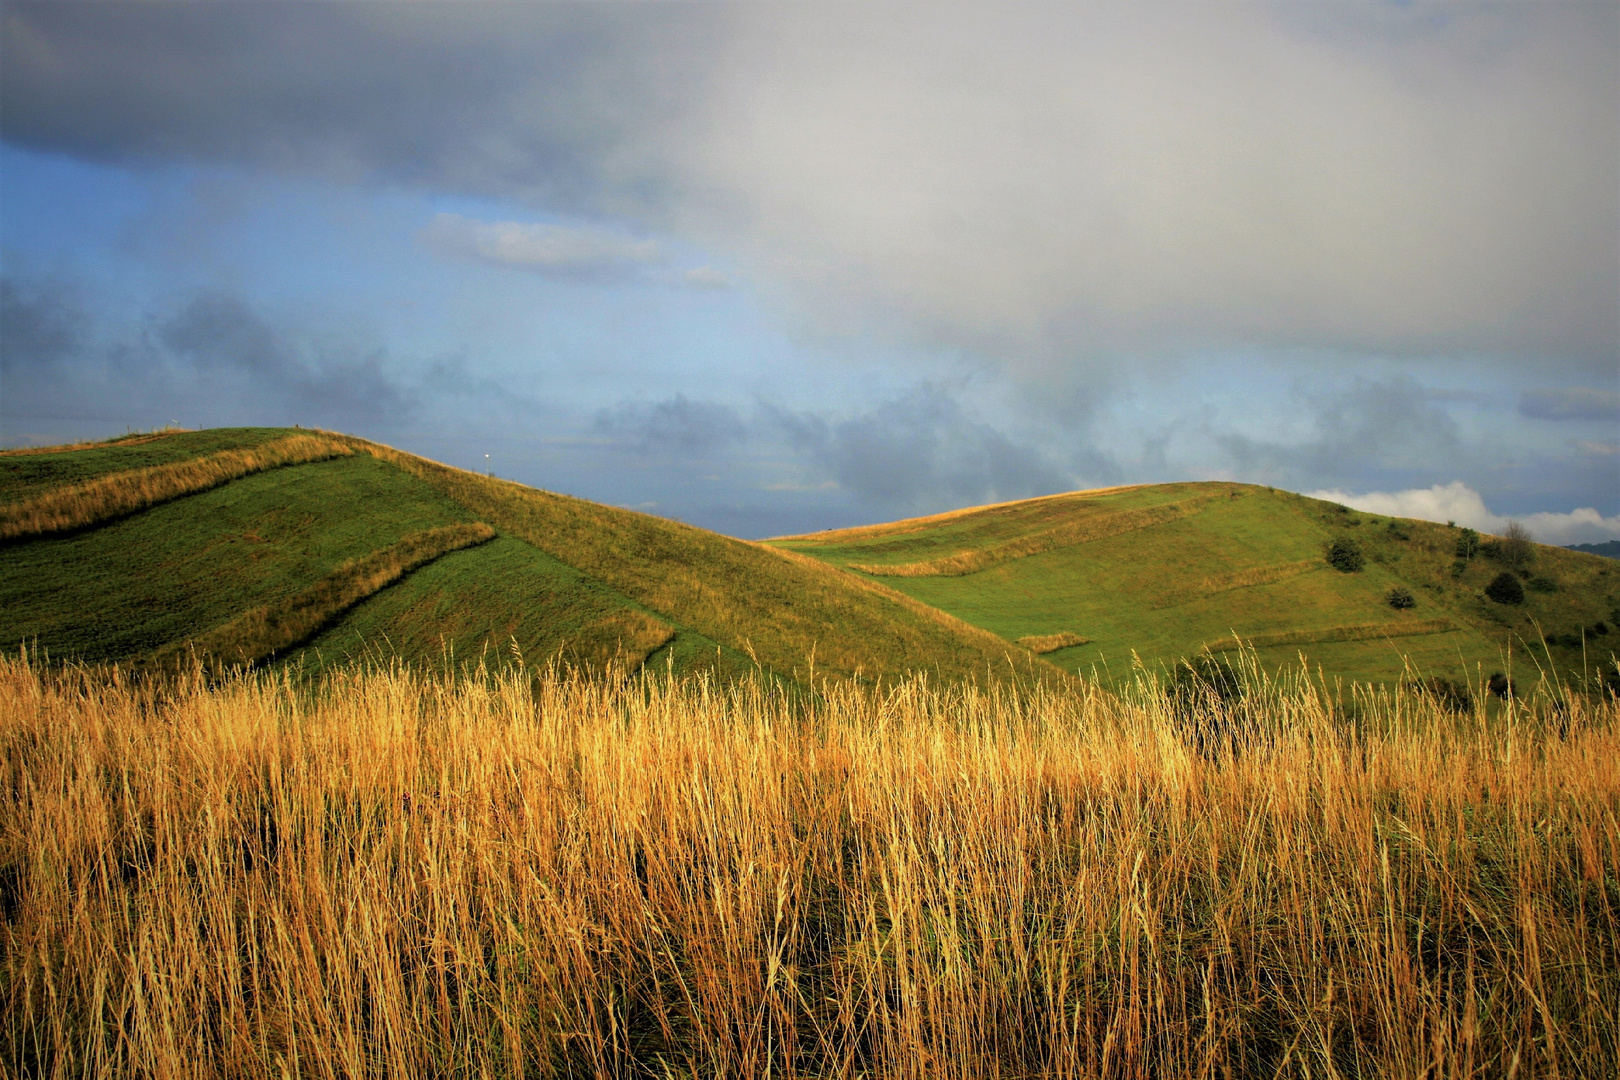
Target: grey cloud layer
(211, 360)
(919, 451)
(1573, 403)
(1020, 178)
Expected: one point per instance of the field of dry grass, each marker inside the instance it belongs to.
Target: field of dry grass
(392, 875)
(79, 506)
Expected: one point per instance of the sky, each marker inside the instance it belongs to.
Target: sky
(772, 268)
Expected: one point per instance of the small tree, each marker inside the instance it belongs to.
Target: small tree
(1345, 556)
(1400, 599)
(1505, 589)
(1467, 544)
(1515, 549)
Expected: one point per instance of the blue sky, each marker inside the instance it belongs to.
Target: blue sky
(777, 269)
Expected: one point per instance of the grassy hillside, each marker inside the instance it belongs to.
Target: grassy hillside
(1162, 571)
(564, 579)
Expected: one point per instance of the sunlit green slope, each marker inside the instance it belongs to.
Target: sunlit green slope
(562, 579)
(1163, 571)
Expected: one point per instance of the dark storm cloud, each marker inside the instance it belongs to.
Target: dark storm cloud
(1415, 180)
(39, 324)
(213, 358)
(538, 100)
(920, 451)
(1570, 403)
(220, 334)
(677, 427)
(1366, 432)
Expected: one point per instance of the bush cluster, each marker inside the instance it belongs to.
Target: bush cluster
(1345, 556)
(1448, 694)
(1542, 585)
(1505, 589)
(1400, 599)
(1467, 544)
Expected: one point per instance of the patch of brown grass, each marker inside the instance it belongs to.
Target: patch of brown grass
(261, 632)
(393, 876)
(1078, 531)
(104, 498)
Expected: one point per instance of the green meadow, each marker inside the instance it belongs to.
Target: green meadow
(1239, 563)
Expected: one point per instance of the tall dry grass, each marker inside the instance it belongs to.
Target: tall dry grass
(117, 494)
(400, 875)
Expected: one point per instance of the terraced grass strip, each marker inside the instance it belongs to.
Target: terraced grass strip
(119, 494)
(1359, 632)
(262, 632)
(1243, 579)
(1041, 644)
(1092, 527)
(623, 638)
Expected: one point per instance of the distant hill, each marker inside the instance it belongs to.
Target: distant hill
(1609, 549)
(1101, 580)
(158, 543)
(311, 549)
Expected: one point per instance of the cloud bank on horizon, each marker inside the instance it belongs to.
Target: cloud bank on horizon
(1459, 503)
(848, 261)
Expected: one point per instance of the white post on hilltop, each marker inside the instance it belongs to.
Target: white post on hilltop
(486, 465)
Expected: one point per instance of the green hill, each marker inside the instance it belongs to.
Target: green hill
(1091, 579)
(312, 548)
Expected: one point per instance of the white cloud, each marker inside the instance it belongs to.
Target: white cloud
(1458, 502)
(560, 250)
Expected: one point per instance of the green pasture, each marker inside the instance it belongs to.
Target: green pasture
(1169, 590)
(182, 567)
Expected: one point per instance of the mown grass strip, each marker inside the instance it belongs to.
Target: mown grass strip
(119, 494)
(1091, 527)
(263, 631)
(1359, 632)
(1041, 644)
(1242, 579)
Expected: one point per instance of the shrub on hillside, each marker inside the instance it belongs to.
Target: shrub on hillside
(1400, 599)
(1448, 694)
(1542, 585)
(1467, 544)
(1513, 548)
(1500, 685)
(1505, 589)
(1345, 556)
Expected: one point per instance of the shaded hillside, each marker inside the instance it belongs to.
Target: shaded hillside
(1163, 571)
(566, 579)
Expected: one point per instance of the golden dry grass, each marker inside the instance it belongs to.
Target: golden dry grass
(82, 505)
(1045, 643)
(392, 875)
(1079, 531)
(261, 632)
